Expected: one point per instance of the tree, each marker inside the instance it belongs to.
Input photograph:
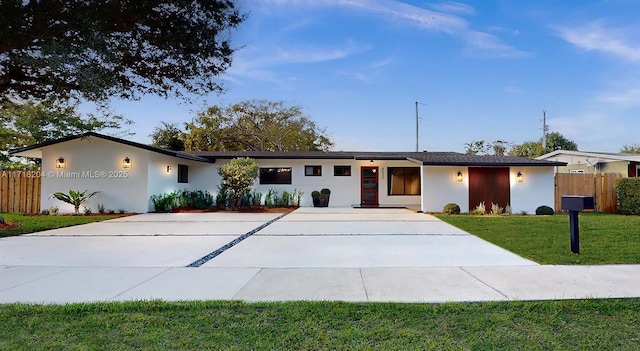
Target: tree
(497, 147)
(630, 149)
(237, 177)
(528, 149)
(556, 141)
(75, 198)
(476, 147)
(96, 50)
(168, 136)
(533, 149)
(255, 125)
(31, 123)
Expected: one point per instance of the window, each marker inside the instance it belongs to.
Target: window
(404, 181)
(342, 171)
(280, 175)
(183, 174)
(312, 170)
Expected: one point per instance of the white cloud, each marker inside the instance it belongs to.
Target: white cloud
(438, 21)
(624, 99)
(596, 37)
(453, 7)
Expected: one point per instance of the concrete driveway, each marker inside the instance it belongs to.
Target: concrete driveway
(310, 254)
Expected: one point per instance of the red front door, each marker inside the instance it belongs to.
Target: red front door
(369, 186)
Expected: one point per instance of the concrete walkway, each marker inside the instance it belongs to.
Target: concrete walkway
(310, 254)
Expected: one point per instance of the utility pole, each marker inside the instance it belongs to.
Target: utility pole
(545, 129)
(417, 119)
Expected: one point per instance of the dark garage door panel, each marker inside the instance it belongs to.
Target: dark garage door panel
(490, 185)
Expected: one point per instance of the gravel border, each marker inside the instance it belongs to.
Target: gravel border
(232, 243)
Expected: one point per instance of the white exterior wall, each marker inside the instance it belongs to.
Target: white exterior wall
(95, 164)
(537, 188)
(440, 187)
(345, 190)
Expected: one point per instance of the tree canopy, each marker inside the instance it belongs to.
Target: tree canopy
(168, 136)
(533, 149)
(255, 125)
(479, 147)
(32, 123)
(630, 149)
(95, 50)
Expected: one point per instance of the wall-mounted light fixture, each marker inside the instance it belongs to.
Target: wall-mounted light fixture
(371, 162)
(459, 176)
(126, 163)
(519, 177)
(60, 162)
(169, 168)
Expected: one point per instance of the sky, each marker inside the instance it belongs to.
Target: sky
(479, 70)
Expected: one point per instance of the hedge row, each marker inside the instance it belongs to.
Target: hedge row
(628, 192)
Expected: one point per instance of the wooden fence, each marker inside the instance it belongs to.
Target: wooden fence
(20, 191)
(599, 185)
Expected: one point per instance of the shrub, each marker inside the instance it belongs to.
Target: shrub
(296, 197)
(284, 200)
(479, 210)
(238, 176)
(628, 192)
(121, 210)
(451, 208)
(507, 210)
(111, 211)
(2, 220)
(163, 202)
(75, 198)
(315, 194)
(100, 208)
(325, 191)
(496, 210)
(53, 210)
(87, 210)
(544, 211)
(44, 212)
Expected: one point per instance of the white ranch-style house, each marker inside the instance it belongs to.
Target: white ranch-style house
(127, 174)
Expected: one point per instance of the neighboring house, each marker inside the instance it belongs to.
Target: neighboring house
(127, 174)
(627, 165)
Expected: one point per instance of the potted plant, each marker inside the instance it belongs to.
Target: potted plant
(315, 196)
(324, 197)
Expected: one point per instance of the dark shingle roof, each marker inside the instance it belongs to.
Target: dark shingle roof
(179, 154)
(425, 157)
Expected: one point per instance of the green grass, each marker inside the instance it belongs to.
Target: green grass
(604, 238)
(543, 325)
(31, 224)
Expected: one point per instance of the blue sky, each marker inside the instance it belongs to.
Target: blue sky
(481, 69)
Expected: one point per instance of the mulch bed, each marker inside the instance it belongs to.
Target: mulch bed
(243, 210)
(8, 225)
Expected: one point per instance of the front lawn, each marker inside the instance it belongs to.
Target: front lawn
(36, 223)
(604, 238)
(221, 325)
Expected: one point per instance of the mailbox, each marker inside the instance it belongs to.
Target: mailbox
(577, 203)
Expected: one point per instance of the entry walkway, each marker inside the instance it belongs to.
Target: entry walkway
(343, 254)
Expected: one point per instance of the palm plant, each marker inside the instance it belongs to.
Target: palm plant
(75, 198)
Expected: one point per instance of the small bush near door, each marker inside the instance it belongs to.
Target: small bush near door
(544, 211)
(451, 208)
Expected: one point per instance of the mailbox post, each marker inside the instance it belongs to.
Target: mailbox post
(575, 204)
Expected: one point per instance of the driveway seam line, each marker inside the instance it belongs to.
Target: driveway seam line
(232, 243)
(485, 284)
(364, 286)
(142, 282)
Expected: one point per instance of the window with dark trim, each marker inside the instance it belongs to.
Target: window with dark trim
(183, 174)
(275, 175)
(342, 171)
(313, 171)
(404, 181)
